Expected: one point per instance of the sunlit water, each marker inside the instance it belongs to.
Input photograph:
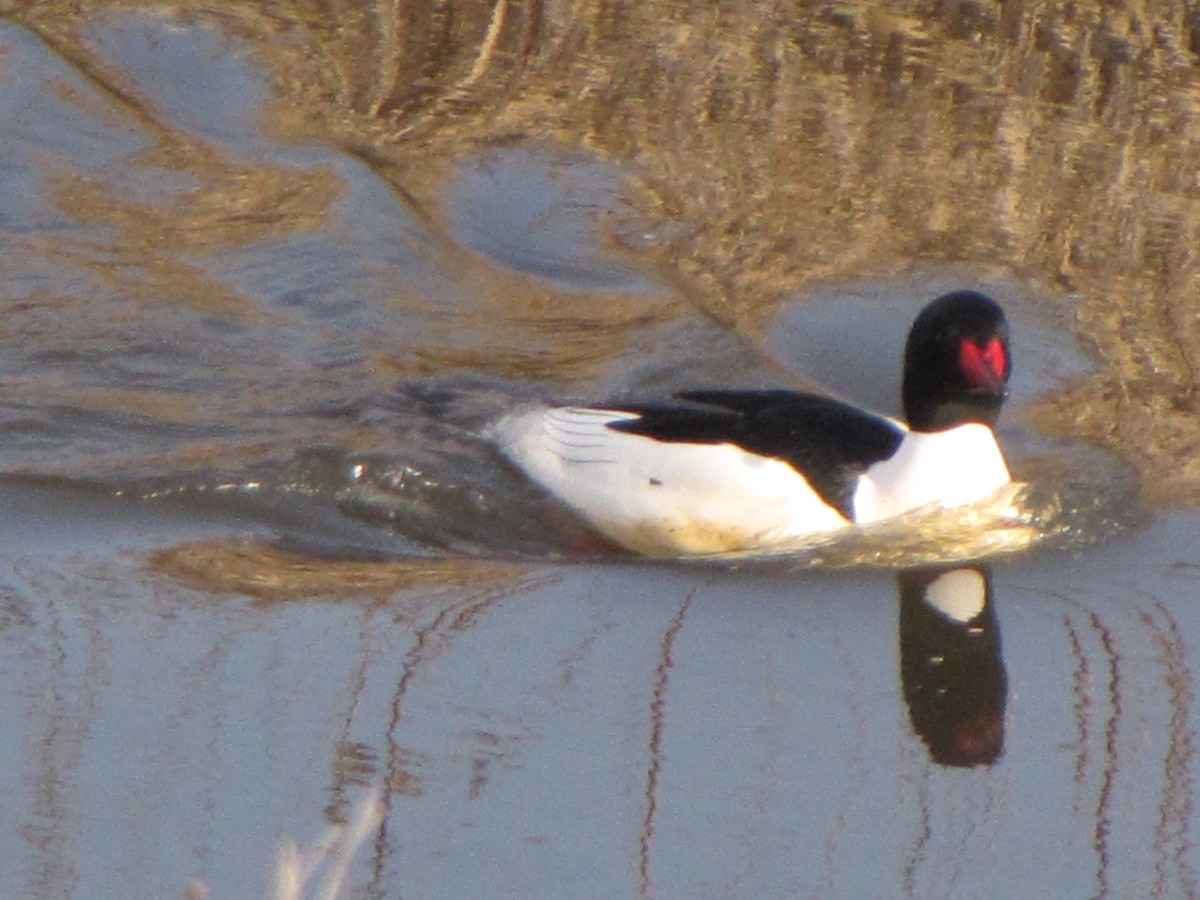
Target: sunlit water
(240, 372)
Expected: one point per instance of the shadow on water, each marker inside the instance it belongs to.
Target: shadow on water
(268, 274)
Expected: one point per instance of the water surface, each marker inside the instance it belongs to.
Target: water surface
(265, 279)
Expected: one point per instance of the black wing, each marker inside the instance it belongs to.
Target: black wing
(829, 442)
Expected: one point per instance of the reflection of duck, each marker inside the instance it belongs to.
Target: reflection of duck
(751, 470)
(950, 664)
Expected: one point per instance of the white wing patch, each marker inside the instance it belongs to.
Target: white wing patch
(663, 498)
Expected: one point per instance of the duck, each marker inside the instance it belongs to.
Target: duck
(711, 472)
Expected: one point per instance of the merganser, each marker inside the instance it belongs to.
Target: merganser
(759, 470)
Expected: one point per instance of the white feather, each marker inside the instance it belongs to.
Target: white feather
(952, 468)
(663, 498)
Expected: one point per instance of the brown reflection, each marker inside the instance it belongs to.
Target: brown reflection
(401, 766)
(658, 707)
(140, 319)
(795, 141)
(1173, 841)
(1099, 717)
(951, 670)
(1112, 664)
(261, 570)
(440, 598)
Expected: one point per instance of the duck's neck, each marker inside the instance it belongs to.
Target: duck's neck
(931, 413)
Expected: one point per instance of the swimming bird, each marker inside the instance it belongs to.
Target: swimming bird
(715, 471)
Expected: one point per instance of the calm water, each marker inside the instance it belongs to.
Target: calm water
(258, 563)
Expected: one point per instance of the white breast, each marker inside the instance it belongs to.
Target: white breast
(954, 467)
(663, 498)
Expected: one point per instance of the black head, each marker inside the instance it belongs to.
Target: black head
(956, 363)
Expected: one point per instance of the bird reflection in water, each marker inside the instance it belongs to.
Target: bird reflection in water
(952, 673)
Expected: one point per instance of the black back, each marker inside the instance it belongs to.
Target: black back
(830, 443)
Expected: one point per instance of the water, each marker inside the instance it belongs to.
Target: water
(259, 562)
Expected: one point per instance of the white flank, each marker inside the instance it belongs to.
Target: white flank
(661, 498)
(959, 594)
(951, 468)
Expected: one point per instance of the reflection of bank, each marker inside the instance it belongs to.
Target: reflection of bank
(950, 665)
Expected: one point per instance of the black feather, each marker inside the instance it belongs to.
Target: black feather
(829, 442)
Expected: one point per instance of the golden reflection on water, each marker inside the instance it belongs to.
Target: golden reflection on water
(1015, 519)
(257, 569)
(796, 141)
